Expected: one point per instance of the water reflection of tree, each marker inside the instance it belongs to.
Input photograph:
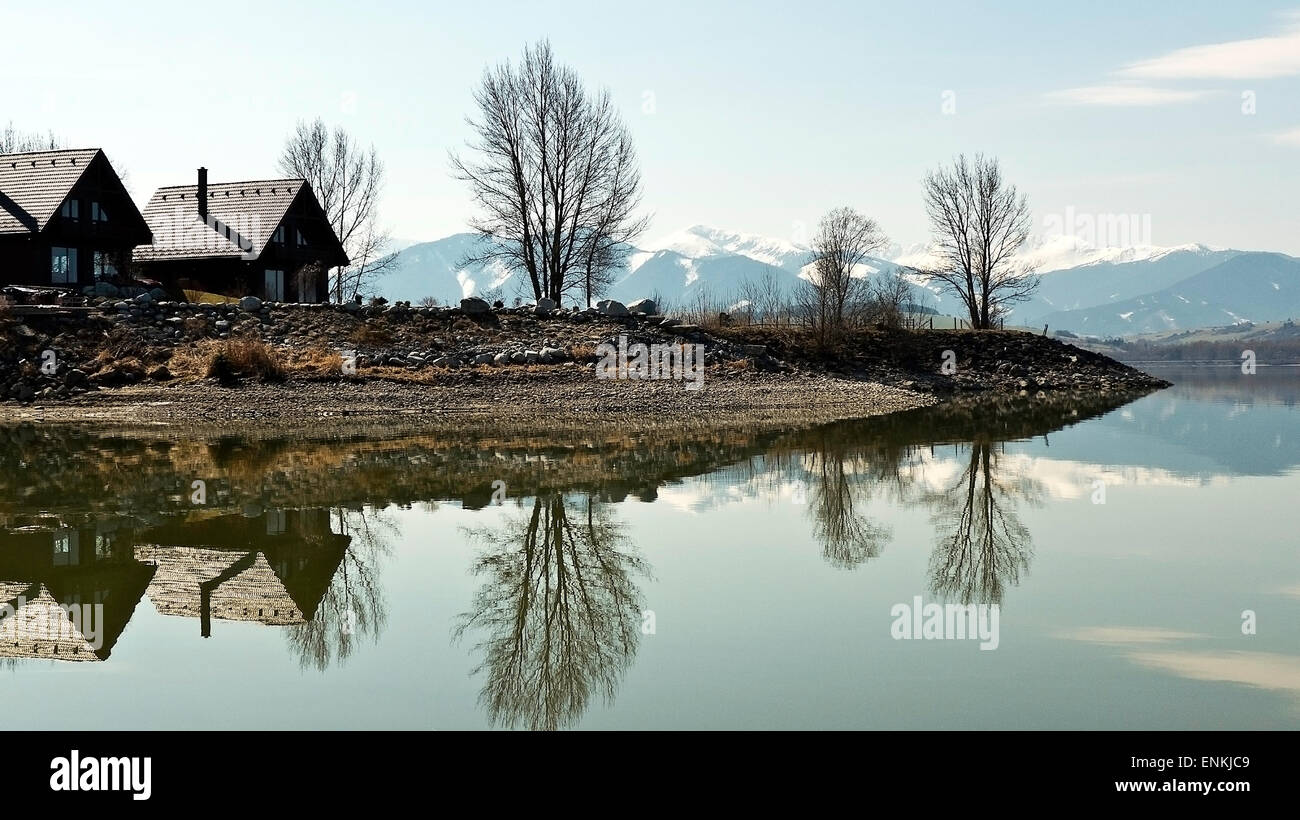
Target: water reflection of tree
(353, 607)
(848, 538)
(559, 611)
(981, 544)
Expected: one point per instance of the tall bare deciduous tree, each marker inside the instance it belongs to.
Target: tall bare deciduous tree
(348, 180)
(843, 242)
(979, 221)
(554, 172)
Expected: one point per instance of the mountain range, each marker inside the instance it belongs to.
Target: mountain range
(1088, 290)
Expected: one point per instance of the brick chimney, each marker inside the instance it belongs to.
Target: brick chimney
(203, 192)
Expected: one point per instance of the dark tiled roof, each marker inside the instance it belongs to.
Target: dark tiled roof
(34, 185)
(243, 216)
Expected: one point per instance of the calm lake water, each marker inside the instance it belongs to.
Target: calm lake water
(689, 579)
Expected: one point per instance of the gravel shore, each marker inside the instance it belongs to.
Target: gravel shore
(563, 394)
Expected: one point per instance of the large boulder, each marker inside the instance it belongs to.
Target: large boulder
(545, 306)
(474, 306)
(250, 304)
(609, 307)
(643, 307)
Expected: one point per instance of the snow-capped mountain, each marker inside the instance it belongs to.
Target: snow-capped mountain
(1050, 254)
(703, 241)
(1246, 287)
(1083, 288)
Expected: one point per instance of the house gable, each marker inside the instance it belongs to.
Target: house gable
(34, 186)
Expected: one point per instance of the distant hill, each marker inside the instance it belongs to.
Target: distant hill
(1109, 282)
(1248, 286)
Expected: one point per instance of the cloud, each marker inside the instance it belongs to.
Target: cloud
(1128, 635)
(1259, 58)
(1263, 670)
(1126, 95)
(1291, 137)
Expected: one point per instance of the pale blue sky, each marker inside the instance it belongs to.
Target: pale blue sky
(765, 115)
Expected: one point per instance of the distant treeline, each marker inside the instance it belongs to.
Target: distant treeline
(1281, 351)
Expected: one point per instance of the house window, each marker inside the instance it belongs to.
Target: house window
(71, 209)
(105, 267)
(278, 236)
(302, 240)
(274, 290)
(97, 213)
(63, 266)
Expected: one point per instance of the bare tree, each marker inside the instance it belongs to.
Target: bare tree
(554, 173)
(833, 295)
(609, 242)
(13, 141)
(889, 300)
(979, 222)
(765, 296)
(347, 180)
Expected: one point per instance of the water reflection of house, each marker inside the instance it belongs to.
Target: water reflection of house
(44, 564)
(273, 567)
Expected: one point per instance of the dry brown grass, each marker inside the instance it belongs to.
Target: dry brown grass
(229, 361)
(251, 358)
(314, 362)
(371, 336)
(121, 344)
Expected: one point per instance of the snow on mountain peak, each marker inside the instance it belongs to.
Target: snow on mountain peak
(703, 241)
(1046, 254)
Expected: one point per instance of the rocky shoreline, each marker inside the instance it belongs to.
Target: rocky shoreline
(148, 358)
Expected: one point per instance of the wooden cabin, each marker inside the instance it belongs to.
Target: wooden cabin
(66, 220)
(267, 238)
